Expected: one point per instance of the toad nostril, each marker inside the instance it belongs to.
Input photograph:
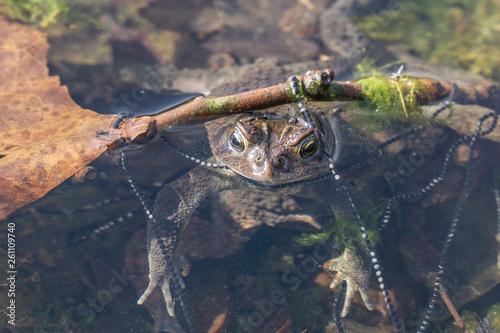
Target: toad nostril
(280, 163)
(258, 162)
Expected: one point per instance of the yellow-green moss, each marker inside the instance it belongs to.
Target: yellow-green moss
(395, 98)
(390, 101)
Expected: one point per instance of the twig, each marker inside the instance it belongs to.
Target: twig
(285, 328)
(204, 107)
(452, 309)
(314, 86)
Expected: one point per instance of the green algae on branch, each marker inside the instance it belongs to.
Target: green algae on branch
(383, 92)
(396, 97)
(394, 93)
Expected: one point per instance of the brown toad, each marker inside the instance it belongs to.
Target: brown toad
(275, 153)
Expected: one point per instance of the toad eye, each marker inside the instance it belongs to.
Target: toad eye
(308, 146)
(237, 141)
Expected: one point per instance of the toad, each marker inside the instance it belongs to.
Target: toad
(271, 152)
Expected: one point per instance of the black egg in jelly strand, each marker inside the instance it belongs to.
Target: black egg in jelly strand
(118, 121)
(449, 238)
(102, 227)
(165, 250)
(188, 314)
(337, 308)
(458, 211)
(135, 188)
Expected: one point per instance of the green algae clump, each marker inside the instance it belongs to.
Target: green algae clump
(394, 97)
(345, 230)
(390, 101)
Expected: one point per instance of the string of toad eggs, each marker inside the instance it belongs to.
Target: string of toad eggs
(166, 250)
(458, 210)
(459, 206)
(294, 84)
(431, 184)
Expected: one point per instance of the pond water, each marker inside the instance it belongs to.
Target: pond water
(77, 272)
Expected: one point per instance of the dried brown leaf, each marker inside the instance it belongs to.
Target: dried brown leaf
(45, 137)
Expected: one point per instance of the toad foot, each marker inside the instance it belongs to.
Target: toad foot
(162, 271)
(355, 271)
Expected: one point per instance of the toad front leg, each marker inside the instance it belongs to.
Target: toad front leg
(173, 208)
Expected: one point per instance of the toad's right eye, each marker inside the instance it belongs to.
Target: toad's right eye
(308, 146)
(237, 140)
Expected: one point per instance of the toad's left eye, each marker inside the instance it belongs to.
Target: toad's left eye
(308, 146)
